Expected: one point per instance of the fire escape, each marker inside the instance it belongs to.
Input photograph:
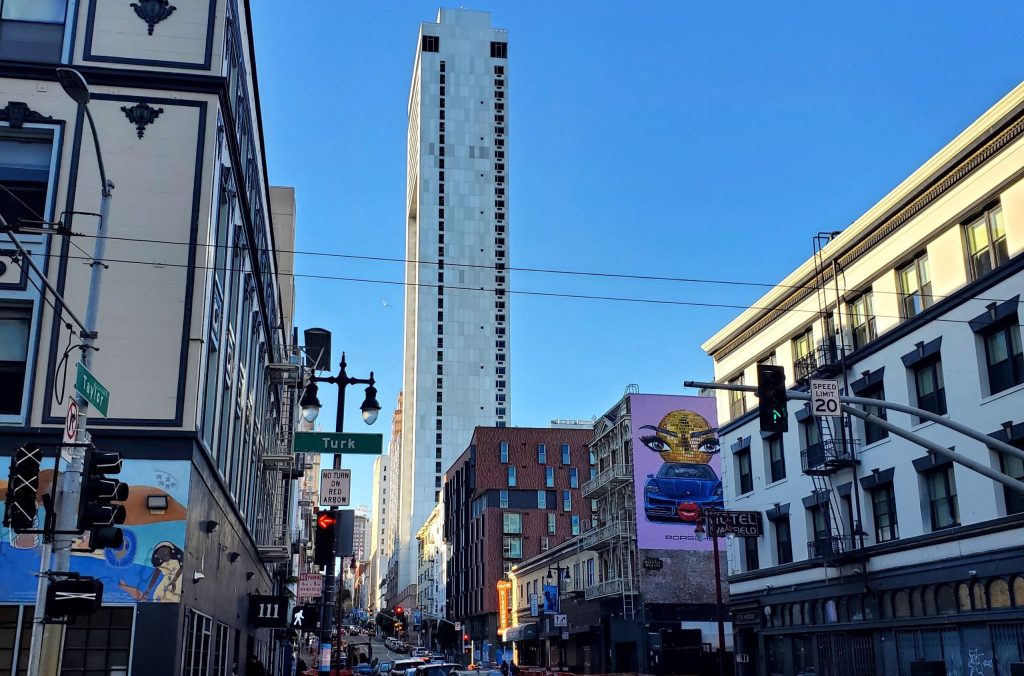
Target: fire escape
(612, 487)
(280, 464)
(830, 449)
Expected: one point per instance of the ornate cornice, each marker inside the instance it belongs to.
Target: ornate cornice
(953, 176)
(17, 113)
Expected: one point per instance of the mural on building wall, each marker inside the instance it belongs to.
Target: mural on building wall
(149, 565)
(676, 468)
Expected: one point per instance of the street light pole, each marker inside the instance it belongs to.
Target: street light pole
(712, 532)
(69, 491)
(310, 406)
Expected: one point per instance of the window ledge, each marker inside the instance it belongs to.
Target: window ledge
(776, 483)
(925, 423)
(1004, 393)
(875, 444)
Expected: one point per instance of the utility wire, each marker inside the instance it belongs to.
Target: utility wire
(551, 271)
(39, 216)
(547, 294)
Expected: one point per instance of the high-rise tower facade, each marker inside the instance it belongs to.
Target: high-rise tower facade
(456, 368)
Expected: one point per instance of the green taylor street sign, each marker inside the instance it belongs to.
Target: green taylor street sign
(92, 389)
(344, 442)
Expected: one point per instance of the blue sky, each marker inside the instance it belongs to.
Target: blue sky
(683, 139)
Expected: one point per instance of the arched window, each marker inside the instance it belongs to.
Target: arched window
(843, 609)
(886, 605)
(808, 617)
(831, 613)
(930, 606)
(946, 599)
(870, 607)
(798, 617)
(1018, 591)
(819, 613)
(963, 597)
(917, 602)
(980, 601)
(901, 604)
(998, 593)
(856, 608)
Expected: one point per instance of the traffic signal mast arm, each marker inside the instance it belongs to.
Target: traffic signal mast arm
(978, 467)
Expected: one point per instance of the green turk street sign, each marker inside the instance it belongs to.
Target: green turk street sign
(92, 389)
(344, 442)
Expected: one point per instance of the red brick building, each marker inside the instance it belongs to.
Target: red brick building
(514, 493)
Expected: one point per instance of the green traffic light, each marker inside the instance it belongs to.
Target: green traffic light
(778, 415)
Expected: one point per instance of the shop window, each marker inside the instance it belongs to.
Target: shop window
(901, 604)
(963, 598)
(998, 594)
(945, 600)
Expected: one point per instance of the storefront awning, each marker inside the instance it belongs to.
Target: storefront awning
(521, 632)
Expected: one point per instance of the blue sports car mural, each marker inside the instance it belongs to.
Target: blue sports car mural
(680, 490)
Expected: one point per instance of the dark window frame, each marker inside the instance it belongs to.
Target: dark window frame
(884, 495)
(744, 471)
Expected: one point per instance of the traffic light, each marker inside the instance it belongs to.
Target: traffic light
(771, 392)
(326, 538)
(73, 596)
(22, 488)
(98, 512)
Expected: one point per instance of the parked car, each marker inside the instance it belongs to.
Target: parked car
(680, 490)
(403, 667)
(420, 651)
(437, 669)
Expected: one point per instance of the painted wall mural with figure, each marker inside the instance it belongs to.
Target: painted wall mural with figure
(676, 468)
(148, 567)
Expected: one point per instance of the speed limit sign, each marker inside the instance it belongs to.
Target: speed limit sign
(71, 423)
(825, 398)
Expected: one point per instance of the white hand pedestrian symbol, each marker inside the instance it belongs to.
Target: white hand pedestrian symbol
(297, 619)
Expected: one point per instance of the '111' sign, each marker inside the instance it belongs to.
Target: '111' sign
(268, 611)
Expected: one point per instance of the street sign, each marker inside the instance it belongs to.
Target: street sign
(653, 564)
(458, 626)
(335, 487)
(268, 611)
(534, 609)
(742, 658)
(71, 422)
(311, 585)
(92, 389)
(344, 442)
(561, 621)
(825, 398)
(743, 524)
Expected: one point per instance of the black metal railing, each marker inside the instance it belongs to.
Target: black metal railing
(822, 360)
(829, 456)
(831, 547)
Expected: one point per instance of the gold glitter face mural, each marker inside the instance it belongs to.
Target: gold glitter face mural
(681, 436)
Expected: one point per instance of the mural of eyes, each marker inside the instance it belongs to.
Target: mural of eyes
(655, 443)
(709, 444)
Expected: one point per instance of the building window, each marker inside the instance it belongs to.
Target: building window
(820, 530)
(545, 543)
(883, 508)
(1003, 358)
(746, 476)
(499, 50)
(750, 553)
(593, 472)
(915, 287)
(802, 345)
(1012, 466)
(198, 631)
(776, 457)
(862, 320)
(99, 643)
(431, 43)
(566, 501)
(549, 477)
(737, 400)
(542, 499)
(565, 454)
(511, 475)
(512, 547)
(542, 454)
(783, 541)
(512, 523)
(503, 499)
(33, 30)
(221, 663)
(15, 328)
(574, 478)
(931, 395)
(503, 448)
(873, 433)
(551, 523)
(943, 507)
(575, 524)
(986, 242)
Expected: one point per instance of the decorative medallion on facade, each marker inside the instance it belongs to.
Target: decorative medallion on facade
(141, 115)
(153, 11)
(17, 113)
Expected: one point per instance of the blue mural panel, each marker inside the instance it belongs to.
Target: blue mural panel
(149, 565)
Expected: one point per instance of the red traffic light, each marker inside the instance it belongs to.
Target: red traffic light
(398, 610)
(465, 637)
(326, 520)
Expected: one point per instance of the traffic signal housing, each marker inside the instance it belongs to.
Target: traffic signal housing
(22, 488)
(98, 511)
(771, 393)
(325, 542)
(73, 596)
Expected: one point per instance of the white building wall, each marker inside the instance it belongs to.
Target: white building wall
(461, 376)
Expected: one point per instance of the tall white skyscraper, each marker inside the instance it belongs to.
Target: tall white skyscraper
(456, 369)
